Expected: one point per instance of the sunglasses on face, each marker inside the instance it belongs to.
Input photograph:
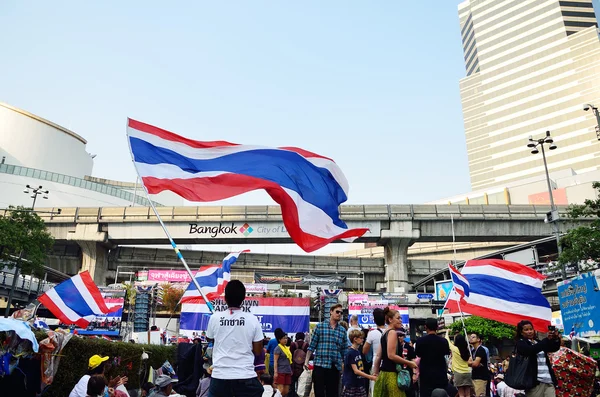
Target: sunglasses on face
(338, 312)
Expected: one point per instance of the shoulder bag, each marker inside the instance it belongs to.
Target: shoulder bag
(403, 379)
(518, 375)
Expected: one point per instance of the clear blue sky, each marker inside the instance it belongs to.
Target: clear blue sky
(374, 85)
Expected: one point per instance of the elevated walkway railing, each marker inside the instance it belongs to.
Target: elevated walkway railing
(26, 284)
(389, 212)
(110, 190)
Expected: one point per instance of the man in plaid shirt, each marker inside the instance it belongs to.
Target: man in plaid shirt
(329, 343)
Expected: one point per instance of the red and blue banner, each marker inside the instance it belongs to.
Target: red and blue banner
(290, 314)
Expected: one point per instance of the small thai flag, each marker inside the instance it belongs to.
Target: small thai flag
(212, 279)
(572, 333)
(461, 284)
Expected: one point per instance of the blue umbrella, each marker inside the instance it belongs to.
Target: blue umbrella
(21, 328)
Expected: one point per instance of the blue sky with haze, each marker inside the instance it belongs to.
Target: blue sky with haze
(373, 85)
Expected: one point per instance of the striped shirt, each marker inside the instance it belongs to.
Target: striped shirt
(329, 345)
(543, 373)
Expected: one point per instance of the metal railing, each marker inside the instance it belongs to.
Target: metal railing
(273, 213)
(31, 285)
(73, 181)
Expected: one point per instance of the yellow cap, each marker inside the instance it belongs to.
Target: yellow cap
(96, 360)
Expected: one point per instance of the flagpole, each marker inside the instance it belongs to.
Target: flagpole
(179, 255)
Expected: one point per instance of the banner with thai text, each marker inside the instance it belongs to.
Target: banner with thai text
(299, 279)
(579, 300)
(290, 314)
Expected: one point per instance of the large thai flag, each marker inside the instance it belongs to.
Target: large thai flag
(308, 187)
(76, 300)
(212, 279)
(461, 284)
(503, 291)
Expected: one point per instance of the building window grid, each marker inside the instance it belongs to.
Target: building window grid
(73, 181)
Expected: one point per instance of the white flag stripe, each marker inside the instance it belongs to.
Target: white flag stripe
(85, 293)
(314, 220)
(510, 307)
(56, 299)
(488, 270)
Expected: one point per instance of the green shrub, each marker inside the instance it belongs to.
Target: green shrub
(75, 356)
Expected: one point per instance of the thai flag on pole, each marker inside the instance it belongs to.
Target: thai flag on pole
(308, 187)
(76, 300)
(572, 333)
(461, 284)
(503, 291)
(212, 279)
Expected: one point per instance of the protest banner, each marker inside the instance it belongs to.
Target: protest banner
(290, 314)
(579, 300)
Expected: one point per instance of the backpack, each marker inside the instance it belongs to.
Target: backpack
(298, 359)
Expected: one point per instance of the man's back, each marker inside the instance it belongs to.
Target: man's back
(433, 367)
(233, 332)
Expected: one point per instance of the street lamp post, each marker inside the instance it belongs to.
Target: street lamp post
(594, 109)
(36, 191)
(552, 217)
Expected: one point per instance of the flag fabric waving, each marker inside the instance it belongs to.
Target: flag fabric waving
(503, 291)
(308, 187)
(461, 284)
(76, 300)
(212, 279)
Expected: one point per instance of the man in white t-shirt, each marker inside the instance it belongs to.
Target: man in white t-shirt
(238, 337)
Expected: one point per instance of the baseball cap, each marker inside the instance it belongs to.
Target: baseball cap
(164, 380)
(95, 361)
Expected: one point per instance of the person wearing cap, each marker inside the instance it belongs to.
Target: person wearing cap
(97, 366)
(238, 338)
(164, 386)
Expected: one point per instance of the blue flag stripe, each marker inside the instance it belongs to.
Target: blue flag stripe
(70, 295)
(459, 281)
(314, 184)
(504, 289)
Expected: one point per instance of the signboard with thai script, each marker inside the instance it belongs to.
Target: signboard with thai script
(170, 276)
(299, 279)
(289, 314)
(363, 305)
(579, 300)
(255, 288)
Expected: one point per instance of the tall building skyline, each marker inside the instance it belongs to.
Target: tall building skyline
(530, 66)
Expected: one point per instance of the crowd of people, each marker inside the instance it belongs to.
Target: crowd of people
(344, 360)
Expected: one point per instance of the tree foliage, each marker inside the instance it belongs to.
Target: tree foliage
(489, 330)
(23, 232)
(581, 245)
(171, 297)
